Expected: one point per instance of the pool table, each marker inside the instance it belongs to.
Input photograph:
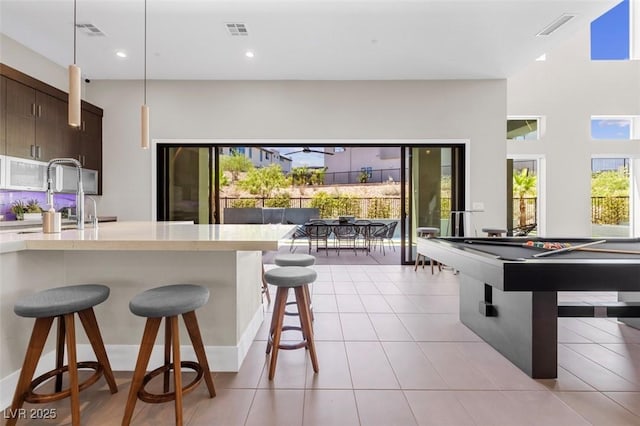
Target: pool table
(508, 296)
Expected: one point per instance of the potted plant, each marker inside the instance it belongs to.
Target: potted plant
(33, 210)
(18, 208)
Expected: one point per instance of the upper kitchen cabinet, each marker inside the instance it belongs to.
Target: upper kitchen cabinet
(20, 116)
(3, 115)
(89, 147)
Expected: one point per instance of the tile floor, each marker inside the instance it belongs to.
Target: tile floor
(392, 352)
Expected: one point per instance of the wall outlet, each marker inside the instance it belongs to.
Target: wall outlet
(478, 205)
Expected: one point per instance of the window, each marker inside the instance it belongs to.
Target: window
(612, 127)
(338, 149)
(610, 35)
(250, 152)
(522, 129)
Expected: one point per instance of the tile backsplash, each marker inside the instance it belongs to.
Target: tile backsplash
(60, 201)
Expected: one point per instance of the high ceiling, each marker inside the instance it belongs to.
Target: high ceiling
(297, 39)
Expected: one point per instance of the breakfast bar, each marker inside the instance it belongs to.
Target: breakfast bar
(130, 257)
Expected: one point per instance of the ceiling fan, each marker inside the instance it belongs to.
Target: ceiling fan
(308, 150)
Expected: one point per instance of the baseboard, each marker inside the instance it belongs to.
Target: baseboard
(123, 357)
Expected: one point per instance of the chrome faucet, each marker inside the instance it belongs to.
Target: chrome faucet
(79, 192)
(94, 218)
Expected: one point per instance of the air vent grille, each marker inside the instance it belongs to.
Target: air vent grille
(237, 29)
(552, 27)
(90, 30)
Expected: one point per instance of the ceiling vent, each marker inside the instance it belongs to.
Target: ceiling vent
(552, 27)
(236, 29)
(90, 30)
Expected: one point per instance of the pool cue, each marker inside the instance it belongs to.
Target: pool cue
(603, 250)
(570, 248)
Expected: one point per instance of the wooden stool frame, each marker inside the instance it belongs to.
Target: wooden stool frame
(66, 332)
(172, 347)
(277, 327)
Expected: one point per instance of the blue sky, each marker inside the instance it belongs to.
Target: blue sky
(303, 159)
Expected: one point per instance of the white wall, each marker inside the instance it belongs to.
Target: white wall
(388, 110)
(567, 89)
(227, 110)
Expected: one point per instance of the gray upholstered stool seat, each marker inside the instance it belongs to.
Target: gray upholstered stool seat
(61, 300)
(169, 300)
(63, 304)
(494, 232)
(168, 303)
(285, 278)
(427, 230)
(290, 276)
(294, 260)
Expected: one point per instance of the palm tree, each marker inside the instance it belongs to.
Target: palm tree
(524, 184)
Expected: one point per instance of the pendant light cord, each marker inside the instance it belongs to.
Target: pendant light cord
(75, 30)
(145, 52)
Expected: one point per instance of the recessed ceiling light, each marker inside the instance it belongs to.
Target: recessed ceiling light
(121, 54)
(249, 54)
(542, 58)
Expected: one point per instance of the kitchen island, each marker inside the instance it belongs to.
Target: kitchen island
(130, 257)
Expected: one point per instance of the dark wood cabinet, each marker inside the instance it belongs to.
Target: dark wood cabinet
(34, 125)
(3, 115)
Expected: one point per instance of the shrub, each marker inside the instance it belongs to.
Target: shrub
(243, 202)
(324, 202)
(379, 208)
(282, 199)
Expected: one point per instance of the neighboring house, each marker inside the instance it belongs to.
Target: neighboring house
(260, 157)
(347, 164)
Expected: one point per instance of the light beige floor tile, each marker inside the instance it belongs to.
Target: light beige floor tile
(367, 287)
(565, 382)
(383, 408)
(437, 327)
(438, 408)
(491, 408)
(369, 366)
(324, 303)
(629, 400)
(290, 371)
(349, 303)
(277, 407)
(333, 365)
(590, 332)
(323, 288)
(454, 367)
(497, 368)
(411, 366)
(388, 327)
(330, 408)
(436, 304)
(357, 327)
(250, 371)
(544, 408)
(599, 410)
(566, 335)
(344, 287)
(616, 328)
(620, 365)
(375, 303)
(592, 373)
(388, 288)
(401, 304)
(229, 407)
(326, 326)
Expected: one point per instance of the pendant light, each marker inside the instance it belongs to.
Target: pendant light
(75, 88)
(144, 111)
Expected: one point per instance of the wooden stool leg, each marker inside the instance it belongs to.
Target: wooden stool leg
(177, 370)
(148, 339)
(274, 320)
(90, 324)
(34, 351)
(305, 322)
(60, 353)
(278, 317)
(431, 263)
(417, 261)
(265, 287)
(308, 296)
(191, 322)
(72, 359)
(167, 354)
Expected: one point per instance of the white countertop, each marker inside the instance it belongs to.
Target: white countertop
(152, 236)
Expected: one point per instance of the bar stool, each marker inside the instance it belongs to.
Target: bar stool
(426, 232)
(61, 303)
(296, 277)
(495, 232)
(168, 302)
(297, 260)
